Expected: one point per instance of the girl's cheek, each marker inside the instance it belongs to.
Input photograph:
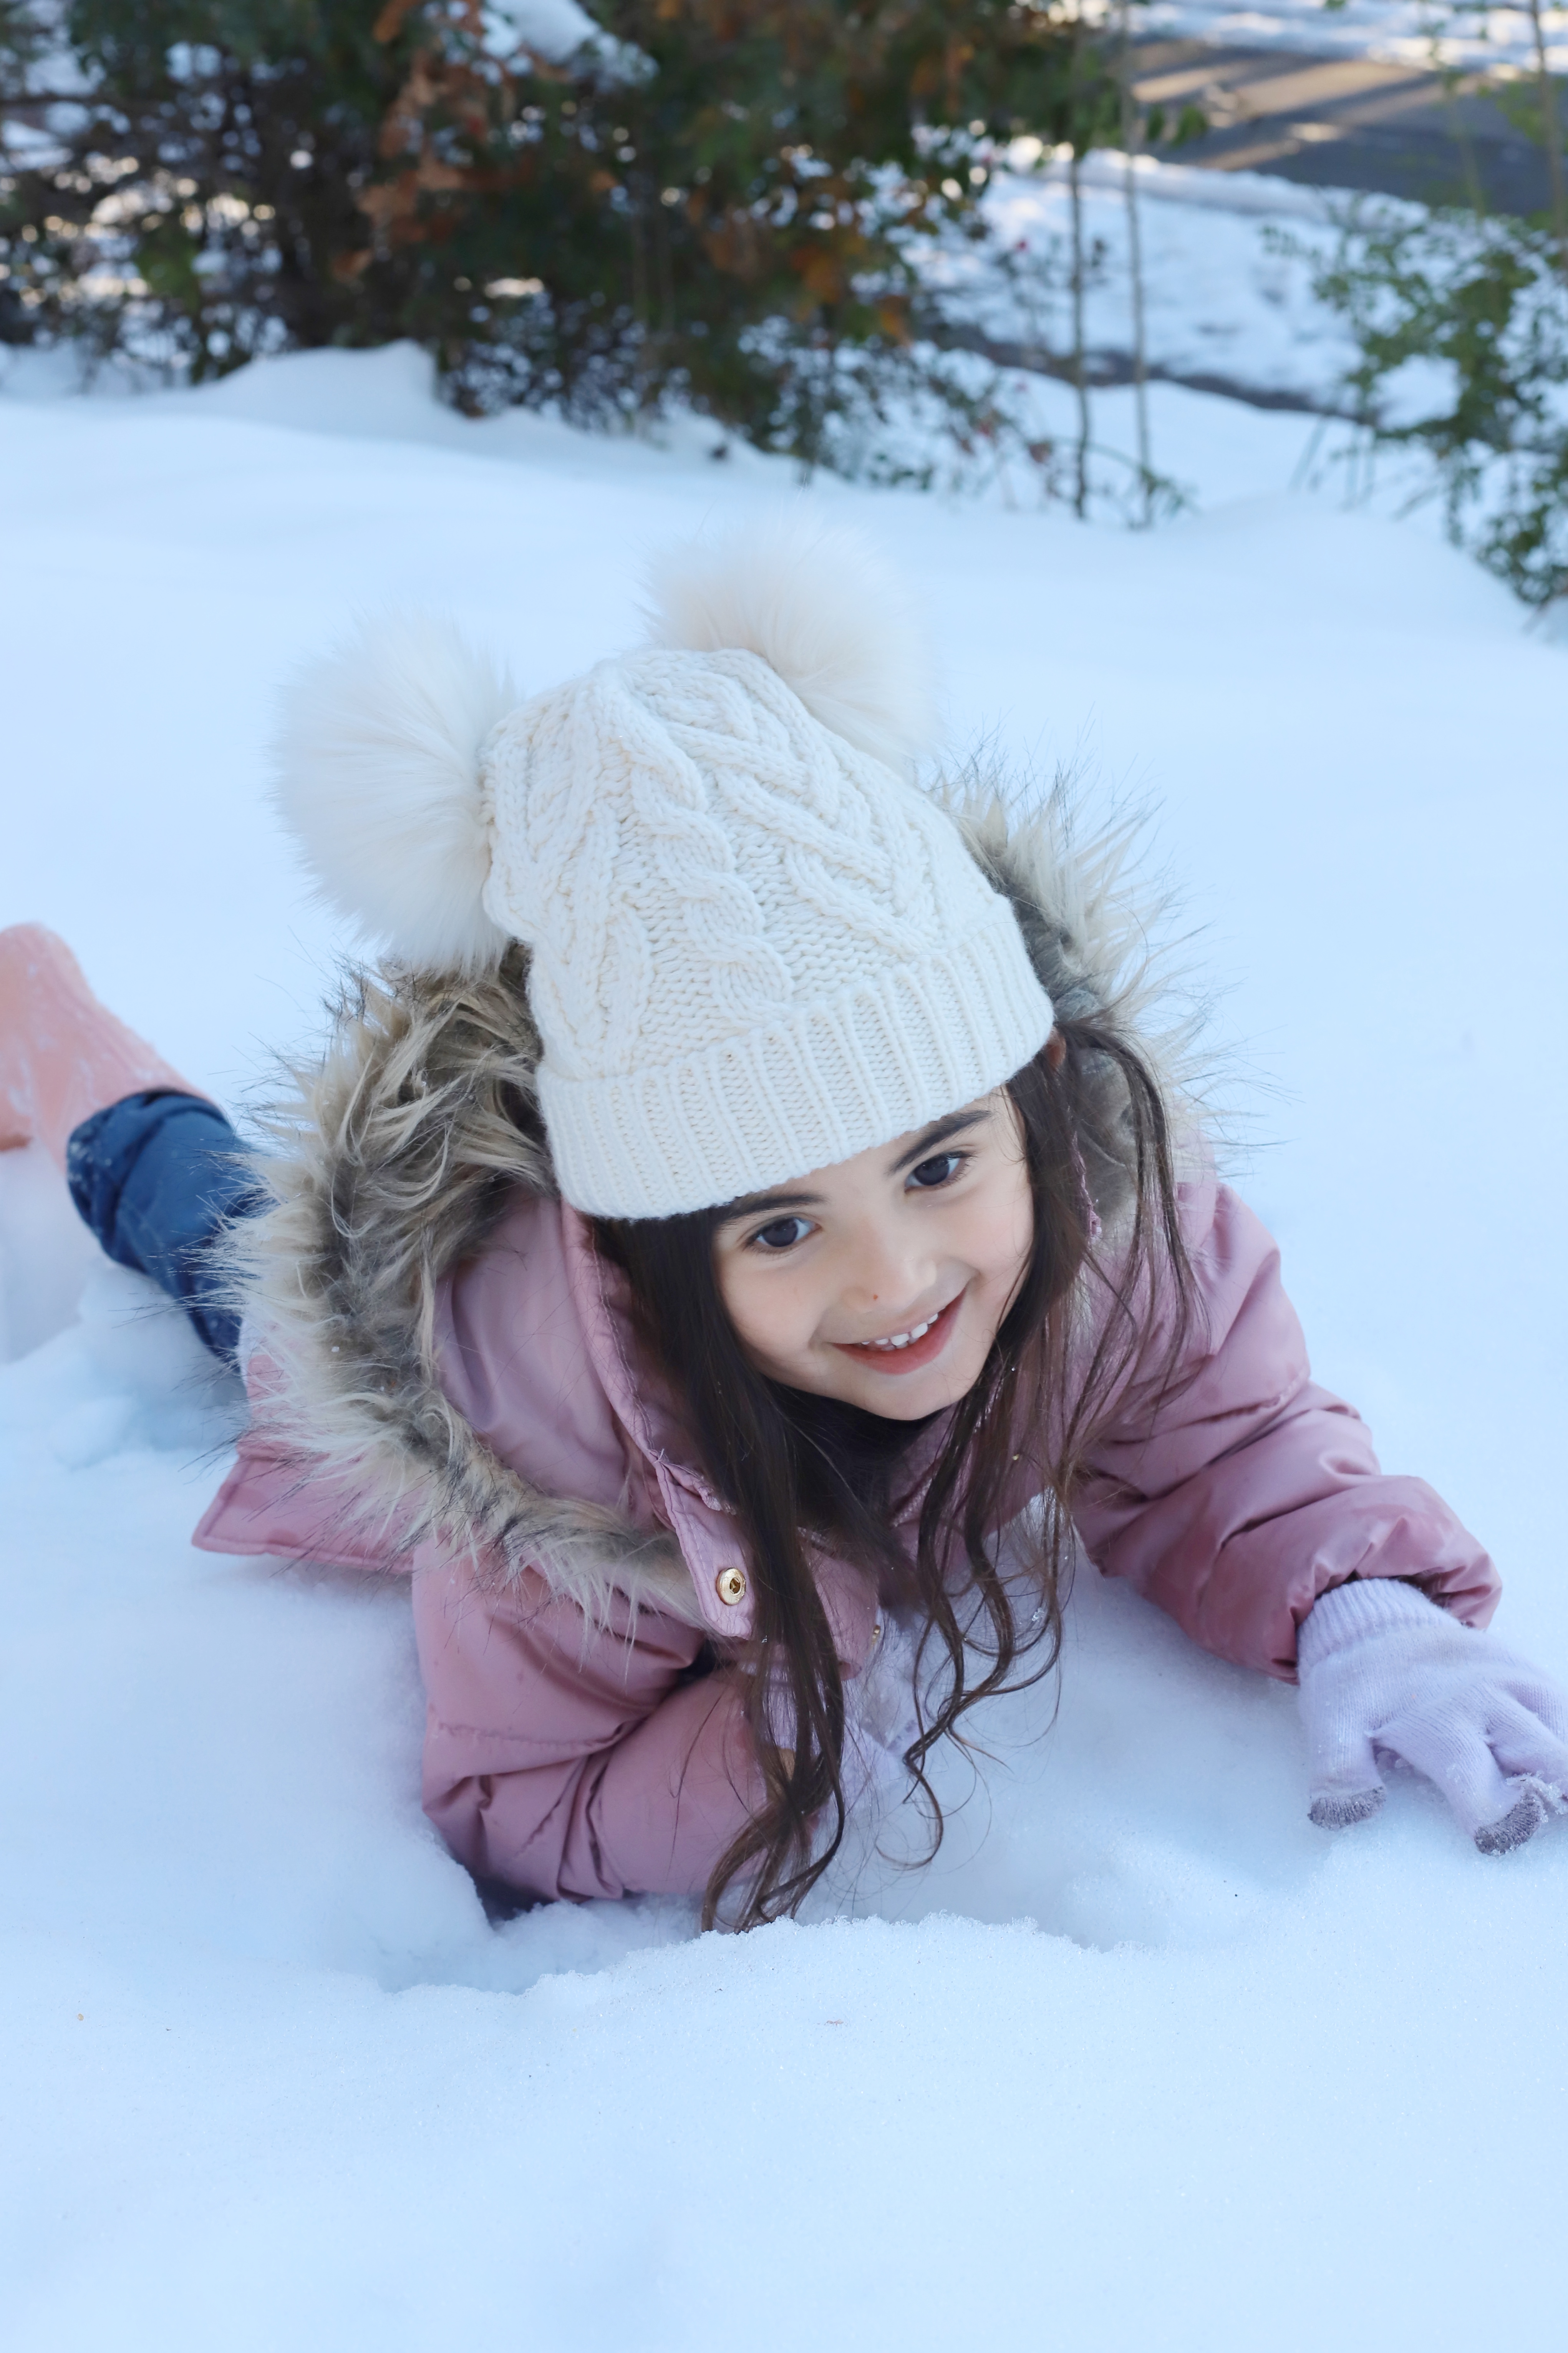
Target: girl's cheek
(771, 1320)
(989, 1239)
(1008, 1234)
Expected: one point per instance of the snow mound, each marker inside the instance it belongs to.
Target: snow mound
(1142, 2060)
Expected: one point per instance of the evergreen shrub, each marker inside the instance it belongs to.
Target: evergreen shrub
(720, 201)
(1460, 322)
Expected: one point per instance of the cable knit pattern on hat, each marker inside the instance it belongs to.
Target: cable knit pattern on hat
(756, 949)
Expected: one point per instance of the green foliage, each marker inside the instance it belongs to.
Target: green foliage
(1190, 122)
(1532, 107)
(206, 180)
(1461, 327)
(734, 222)
(1460, 322)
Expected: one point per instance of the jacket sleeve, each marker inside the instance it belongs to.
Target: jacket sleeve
(1234, 1491)
(570, 1758)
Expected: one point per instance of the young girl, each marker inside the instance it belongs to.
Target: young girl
(743, 1190)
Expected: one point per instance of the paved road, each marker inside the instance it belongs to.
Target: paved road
(1346, 123)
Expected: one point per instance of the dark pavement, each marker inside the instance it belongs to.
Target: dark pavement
(1346, 123)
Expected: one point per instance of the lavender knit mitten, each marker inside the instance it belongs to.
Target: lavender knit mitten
(880, 1718)
(1386, 1672)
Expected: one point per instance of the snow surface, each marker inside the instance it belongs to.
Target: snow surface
(1144, 2063)
(1402, 30)
(559, 31)
(1227, 266)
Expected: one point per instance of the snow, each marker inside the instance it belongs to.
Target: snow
(1143, 2060)
(553, 29)
(1227, 265)
(1404, 31)
(559, 32)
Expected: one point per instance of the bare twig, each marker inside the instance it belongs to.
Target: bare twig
(1132, 140)
(1551, 135)
(1104, 371)
(1080, 376)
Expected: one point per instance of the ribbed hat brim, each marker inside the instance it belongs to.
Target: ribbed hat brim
(824, 1083)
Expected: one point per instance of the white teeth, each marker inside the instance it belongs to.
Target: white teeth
(902, 1339)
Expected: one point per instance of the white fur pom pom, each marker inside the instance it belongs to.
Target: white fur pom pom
(823, 609)
(377, 775)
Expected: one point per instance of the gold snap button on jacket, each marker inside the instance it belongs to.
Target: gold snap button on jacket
(732, 1583)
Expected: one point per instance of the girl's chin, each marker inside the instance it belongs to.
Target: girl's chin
(905, 1407)
(908, 1397)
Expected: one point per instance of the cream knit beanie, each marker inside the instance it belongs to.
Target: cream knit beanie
(757, 947)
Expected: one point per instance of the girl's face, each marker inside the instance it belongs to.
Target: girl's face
(882, 1280)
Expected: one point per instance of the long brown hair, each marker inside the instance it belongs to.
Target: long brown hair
(783, 1461)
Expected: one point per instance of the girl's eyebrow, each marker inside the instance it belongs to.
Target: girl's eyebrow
(940, 1133)
(760, 1203)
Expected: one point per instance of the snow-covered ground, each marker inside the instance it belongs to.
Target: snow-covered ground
(1227, 261)
(1227, 264)
(1144, 2063)
(1402, 30)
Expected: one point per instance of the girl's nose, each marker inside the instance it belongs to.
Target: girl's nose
(884, 1271)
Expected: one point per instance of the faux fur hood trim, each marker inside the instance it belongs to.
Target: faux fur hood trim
(394, 1157)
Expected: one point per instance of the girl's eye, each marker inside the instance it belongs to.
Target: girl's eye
(941, 1169)
(781, 1233)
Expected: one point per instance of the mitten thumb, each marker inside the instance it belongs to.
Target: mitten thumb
(1339, 1712)
(1346, 1786)
(1341, 1761)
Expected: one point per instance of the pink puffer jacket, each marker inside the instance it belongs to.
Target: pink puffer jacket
(585, 1731)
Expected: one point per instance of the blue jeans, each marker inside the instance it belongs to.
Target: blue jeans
(158, 1177)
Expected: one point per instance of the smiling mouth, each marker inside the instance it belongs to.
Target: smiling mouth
(903, 1351)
